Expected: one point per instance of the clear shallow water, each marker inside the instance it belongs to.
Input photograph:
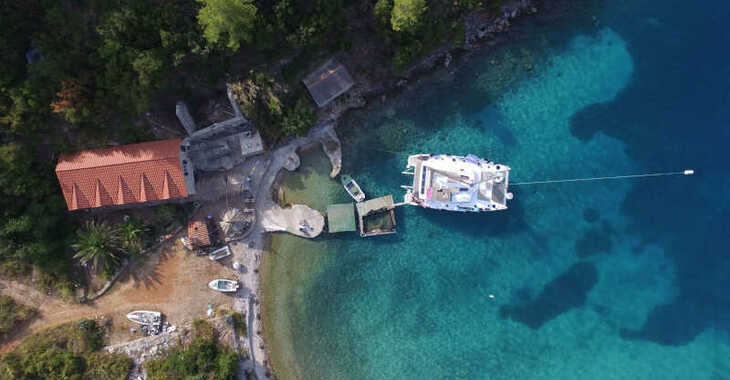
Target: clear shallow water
(592, 280)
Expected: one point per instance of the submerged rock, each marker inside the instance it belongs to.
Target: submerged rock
(591, 215)
(565, 292)
(595, 241)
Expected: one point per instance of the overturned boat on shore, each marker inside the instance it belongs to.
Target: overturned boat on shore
(219, 253)
(145, 317)
(457, 183)
(223, 285)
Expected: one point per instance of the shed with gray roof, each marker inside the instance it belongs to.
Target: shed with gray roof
(328, 82)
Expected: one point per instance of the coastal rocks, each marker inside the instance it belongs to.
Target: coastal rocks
(149, 348)
(292, 162)
(353, 99)
(478, 28)
(152, 347)
(332, 148)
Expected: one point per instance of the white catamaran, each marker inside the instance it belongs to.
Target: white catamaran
(456, 183)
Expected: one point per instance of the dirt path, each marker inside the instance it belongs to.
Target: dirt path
(171, 280)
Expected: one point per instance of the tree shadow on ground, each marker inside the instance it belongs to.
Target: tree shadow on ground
(146, 272)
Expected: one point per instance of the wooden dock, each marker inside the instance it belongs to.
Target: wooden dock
(376, 216)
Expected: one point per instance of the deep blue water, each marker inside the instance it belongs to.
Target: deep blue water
(619, 279)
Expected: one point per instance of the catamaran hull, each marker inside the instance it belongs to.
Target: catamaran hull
(457, 183)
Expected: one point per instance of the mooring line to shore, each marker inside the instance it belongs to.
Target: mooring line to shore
(684, 172)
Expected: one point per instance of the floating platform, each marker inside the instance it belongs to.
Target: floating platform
(376, 216)
(341, 218)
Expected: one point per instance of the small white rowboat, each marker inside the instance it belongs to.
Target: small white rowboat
(223, 285)
(145, 317)
(352, 188)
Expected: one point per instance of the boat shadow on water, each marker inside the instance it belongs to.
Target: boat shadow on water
(480, 224)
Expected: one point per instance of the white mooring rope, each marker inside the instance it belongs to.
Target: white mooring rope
(684, 172)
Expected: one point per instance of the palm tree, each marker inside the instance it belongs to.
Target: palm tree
(97, 245)
(131, 234)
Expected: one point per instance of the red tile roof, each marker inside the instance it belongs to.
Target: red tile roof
(198, 233)
(123, 174)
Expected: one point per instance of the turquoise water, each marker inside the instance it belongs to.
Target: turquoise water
(620, 279)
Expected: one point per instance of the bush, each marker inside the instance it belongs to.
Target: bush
(132, 232)
(204, 358)
(103, 366)
(12, 315)
(53, 283)
(167, 215)
(298, 119)
(13, 268)
(70, 351)
(239, 323)
(260, 97)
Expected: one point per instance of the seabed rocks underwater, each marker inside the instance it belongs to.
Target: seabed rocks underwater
(565, 272)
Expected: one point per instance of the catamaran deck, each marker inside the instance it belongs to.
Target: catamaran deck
(458, 183)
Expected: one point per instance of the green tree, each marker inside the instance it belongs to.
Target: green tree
(131, 236)
(382, 11)
(71, 102)
(98, 245)
(232, 20)
(407, 14)
(147, 65)
(298, 119)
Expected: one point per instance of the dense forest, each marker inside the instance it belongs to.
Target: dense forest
(84, 73)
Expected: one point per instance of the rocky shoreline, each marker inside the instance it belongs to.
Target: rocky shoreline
(480, 28)
(484, 28)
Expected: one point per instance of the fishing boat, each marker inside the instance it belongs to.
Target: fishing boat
(220, 253)
(456, 183)
(145, 317)
(352, 188)
(223, 285)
